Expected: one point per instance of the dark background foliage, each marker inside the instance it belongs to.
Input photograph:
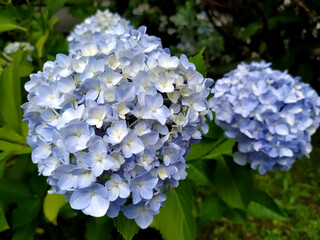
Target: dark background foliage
(285, 33)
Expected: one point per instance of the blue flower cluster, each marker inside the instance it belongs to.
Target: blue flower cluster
(270, 114)
(112, 122)
(105, 26)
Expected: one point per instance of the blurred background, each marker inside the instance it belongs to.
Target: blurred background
(284, 32)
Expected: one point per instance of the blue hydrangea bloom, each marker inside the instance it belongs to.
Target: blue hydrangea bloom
(111, 123)
(269, 113)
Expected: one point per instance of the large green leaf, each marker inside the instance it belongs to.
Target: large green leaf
(225, 148)
(4, 155)
(14, 191)
(263, 206)
(52, 205)
(3, 221)
(25, 213)
(7, 134)
(175, 220)
(198, 61)
(99, 228)
(212, 207)
(127, 227)
(200, 172)
(235, 215)
(211, 149)
(197, 151)
(14, 148)
(233, 182)
(8, 24)
(2, 165)
(21, 168)
(26, 232)
(10, 95)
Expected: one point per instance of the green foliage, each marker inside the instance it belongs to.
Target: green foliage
(25, 213)
(53, 7)
(262, 206)
(8, 24)
(100, 228)
(198, 61)
(222, 200)
(126, 227)
(234, 184)
(3, 221)
(212, 207)
(200, 172)
(10, 95)
(25, 232)
(175, 221)
(52, 205)
(14, 191)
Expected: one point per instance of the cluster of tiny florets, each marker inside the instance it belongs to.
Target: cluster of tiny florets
(112, 122)
(14, 46)
(102, 25)
(270, 114)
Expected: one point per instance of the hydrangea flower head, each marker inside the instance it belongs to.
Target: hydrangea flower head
(102, 23)
(14, 46)
(270, 114)
(111, 129)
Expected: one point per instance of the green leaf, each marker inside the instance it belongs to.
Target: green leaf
(26, 66)
(250, 30)
(40, 43)
(198, 61)
(7, 134)
(4, 155)
(5, 1)
(53, 7)
(127, 227)
(235, 215)
(225, 148)
(8, 24)
(67, 212)
(3, 221)
(197, 151)
(14, 148)
(262, 206)
(26, 232)
(2, 166)
(38, 184)
(13, 191)
(233, 182)
(21, 168)
(99, 228)
(10, 95)
(212, 207)
(175, 220)
(210, 149)
(215, 132)
(52, 205)
(200, 172)
(25, 213)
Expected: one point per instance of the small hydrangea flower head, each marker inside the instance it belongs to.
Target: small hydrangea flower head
(14, 46)
(102, 23)
(111, 128)
(269, 113)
